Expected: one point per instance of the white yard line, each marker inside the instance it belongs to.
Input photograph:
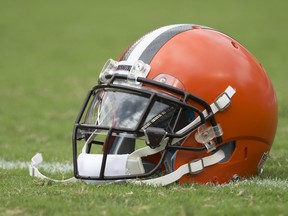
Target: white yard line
(261, 182)
(54, 167)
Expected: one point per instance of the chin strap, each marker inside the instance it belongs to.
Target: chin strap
(193, 167)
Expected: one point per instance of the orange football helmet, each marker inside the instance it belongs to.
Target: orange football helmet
(183, 103)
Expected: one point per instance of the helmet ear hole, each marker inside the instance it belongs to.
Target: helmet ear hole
(228, 149)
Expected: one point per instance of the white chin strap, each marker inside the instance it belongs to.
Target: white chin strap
(116, 166)
(127, 164)
(194, 167)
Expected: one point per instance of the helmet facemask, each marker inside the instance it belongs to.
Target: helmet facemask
(121, 117)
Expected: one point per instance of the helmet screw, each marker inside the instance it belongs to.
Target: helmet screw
(163, 80)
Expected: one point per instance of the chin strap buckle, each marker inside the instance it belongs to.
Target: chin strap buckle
(196, 166)
(223, 100)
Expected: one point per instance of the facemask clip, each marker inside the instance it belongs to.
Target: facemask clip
(139, 69)
(205, 135)
(108, 69)
(133, 71)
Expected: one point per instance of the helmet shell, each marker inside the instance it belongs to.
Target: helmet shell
(206, 61)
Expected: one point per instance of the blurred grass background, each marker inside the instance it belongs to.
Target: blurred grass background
(50, 56)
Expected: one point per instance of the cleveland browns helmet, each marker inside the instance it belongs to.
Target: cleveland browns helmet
(184, 103)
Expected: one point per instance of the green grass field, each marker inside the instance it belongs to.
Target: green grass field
(50, 56)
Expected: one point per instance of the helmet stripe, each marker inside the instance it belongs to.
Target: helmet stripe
(146, 47)
(151, 50)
